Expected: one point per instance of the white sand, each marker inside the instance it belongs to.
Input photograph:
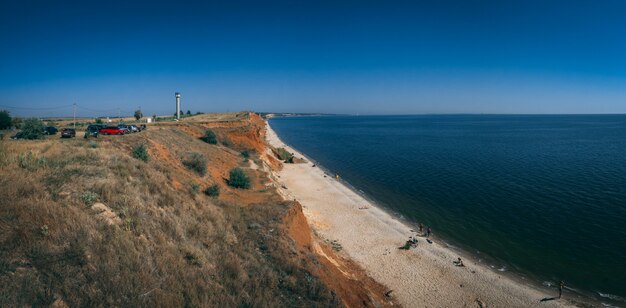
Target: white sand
(421, 277)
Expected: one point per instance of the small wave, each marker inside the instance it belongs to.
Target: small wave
(608, 305)
(611, 296)
(547, 284)
(502, 269)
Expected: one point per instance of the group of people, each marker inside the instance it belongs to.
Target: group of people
(428, 230)
(412, 241)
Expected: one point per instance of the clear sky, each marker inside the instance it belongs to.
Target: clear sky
(367, 57)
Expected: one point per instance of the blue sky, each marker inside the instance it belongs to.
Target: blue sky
(367, 57)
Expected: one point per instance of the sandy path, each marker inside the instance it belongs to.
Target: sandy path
(422, 277)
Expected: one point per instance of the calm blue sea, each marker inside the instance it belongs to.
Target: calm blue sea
(543, 195)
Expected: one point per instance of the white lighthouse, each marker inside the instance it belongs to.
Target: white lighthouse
(177, 105)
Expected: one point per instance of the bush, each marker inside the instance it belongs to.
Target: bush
(238, 178)
(196, 162)
(5, 119)
(30, 161)
(140, 152)
(89, 197)
(32, 129)
(194, 189)
(212, 191)
(210, 137)
(284, 155)
(246, 155)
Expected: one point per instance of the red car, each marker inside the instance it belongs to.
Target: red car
(112, 130)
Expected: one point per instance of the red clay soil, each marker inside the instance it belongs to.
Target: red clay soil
(348, 280)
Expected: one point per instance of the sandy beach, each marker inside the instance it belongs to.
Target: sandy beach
(420, 277)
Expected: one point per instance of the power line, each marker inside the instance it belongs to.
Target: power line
(40, 108)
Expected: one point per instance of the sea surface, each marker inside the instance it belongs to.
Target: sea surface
(542, 196)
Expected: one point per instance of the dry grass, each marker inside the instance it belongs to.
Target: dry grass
(171, 248)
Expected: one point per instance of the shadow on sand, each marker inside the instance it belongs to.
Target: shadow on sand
(545, 299)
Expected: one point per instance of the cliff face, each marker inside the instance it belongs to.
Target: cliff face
(345, 278)
(84, 222)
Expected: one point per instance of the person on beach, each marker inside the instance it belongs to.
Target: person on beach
(561, 285)
(428, 232)
(459, 262)
(421, 228)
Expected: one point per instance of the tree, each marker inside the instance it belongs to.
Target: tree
(32, 128)
(188, 112)
(138, 115)
(5, 119)
(98, 121)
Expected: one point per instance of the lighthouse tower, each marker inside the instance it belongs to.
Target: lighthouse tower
(177, 106)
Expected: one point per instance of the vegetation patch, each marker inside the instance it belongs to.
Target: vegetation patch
(226, 142)
(239, 179)
(194, 188)
(140, 152)
(212, 191)
(284, 155)
(5, 119)
(30, 161)
(32, 128)
(89, 197)
(197, 163)
(210, 137)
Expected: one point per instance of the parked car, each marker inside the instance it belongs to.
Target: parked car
(93, 130)
(19, 135)
(112, 130)
(143, 126)
(134, 129)
(126, 128)
(50, 130)
(68, 133)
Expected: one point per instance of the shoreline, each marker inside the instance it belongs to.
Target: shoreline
(370, 234)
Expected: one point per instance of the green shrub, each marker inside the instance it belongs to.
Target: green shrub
(284, 155)
(30, 161)
(32, 128)
(226, 142)
(89, 197)
(196, 162)
(5, 119)
(212, 191)
(210, 137)
(140, 152)
(246, 155)
(194, 189)
(238, 178)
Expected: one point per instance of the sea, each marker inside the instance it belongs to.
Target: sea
(541, 197)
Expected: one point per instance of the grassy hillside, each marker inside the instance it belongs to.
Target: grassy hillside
(83, 222)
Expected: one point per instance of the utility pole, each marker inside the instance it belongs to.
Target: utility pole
(74, 115)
